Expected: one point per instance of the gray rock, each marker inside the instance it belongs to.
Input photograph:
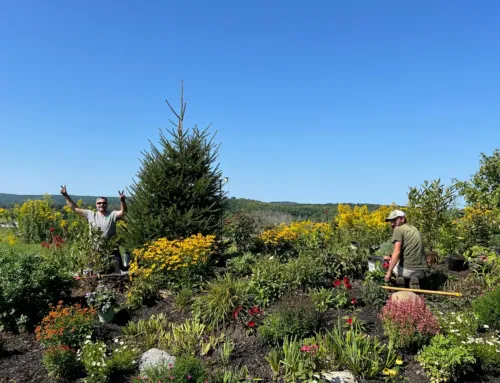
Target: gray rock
(154, 357)
(339, 377)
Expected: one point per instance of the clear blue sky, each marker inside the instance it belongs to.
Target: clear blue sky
(320, 101)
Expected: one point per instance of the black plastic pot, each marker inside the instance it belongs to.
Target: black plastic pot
(456, 262)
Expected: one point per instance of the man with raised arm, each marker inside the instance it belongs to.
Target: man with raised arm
(102, 218)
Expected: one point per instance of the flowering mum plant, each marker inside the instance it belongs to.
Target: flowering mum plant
(66, 325)
(408, 323)
(102, 299)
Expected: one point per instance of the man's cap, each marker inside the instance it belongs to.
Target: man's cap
(395, 214)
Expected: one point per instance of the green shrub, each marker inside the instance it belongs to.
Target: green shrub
(487, 308)
(444, 360)
(183, 297)
(185, 369)
(28, 284)
(458, 325)
(271, 278)
(322, 298)
(241, 229)
(487, 352)
(144, 290)
(363, 355)
(220, 298)
(241, 265)
(373, 294)
(60, 362)
(295, 315)
(147, 333)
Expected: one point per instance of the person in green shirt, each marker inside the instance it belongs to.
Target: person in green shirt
(408, 258)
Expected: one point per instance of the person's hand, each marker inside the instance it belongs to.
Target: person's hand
(387, 277)
(122, 195)
(387, 257)
(63, 190)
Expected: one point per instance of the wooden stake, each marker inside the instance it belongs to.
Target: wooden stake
(422, 291)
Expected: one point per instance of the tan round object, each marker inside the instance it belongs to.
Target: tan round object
(403, 295)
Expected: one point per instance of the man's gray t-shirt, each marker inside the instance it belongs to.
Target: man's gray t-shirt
(107, 223)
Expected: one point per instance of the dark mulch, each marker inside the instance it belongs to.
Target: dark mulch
(21, 359)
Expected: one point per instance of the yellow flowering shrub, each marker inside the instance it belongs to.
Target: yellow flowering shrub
(11, 239)
(35, 218)
(285, 239)
(477, 226)
(169, 256)
(363, 226)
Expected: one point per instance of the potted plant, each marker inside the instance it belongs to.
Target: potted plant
(104, 300)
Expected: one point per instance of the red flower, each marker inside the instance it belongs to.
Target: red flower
(354, 301)
(347, 283)
(52, 229)
(385, 265)
(305, 348)
(77, 277)
(337, 283)
(45, 244)
(251, 323)
(237, 311)
(349, 321)
(254, 310)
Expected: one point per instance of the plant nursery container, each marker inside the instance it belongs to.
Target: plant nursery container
(106, 316)
(456, 262)
(372, 262)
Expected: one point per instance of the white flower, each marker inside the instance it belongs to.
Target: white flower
(116, 340)
(93, 363)
(87, 342)
(489, 343)
(88, 336)
(452, 322)
(459, 319)
(453, 330)
(486, 326)
(121, 343)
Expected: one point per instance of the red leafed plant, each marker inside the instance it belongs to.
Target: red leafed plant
(409, 323)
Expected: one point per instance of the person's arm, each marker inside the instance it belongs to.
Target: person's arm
(73, 206)
(394, 260)
(123, 206)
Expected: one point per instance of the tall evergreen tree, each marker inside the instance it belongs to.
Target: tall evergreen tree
(178, 191)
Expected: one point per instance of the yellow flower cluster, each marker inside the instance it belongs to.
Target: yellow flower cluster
(164, 255)
(11, 239)
(293, 232)
(348, 217)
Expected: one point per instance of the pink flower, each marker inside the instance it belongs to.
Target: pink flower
(305, 348)
(189, 377)
(385, 265)
(354, 301)
(52, 229)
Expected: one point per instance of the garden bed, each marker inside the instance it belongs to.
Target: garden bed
(21, 357)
